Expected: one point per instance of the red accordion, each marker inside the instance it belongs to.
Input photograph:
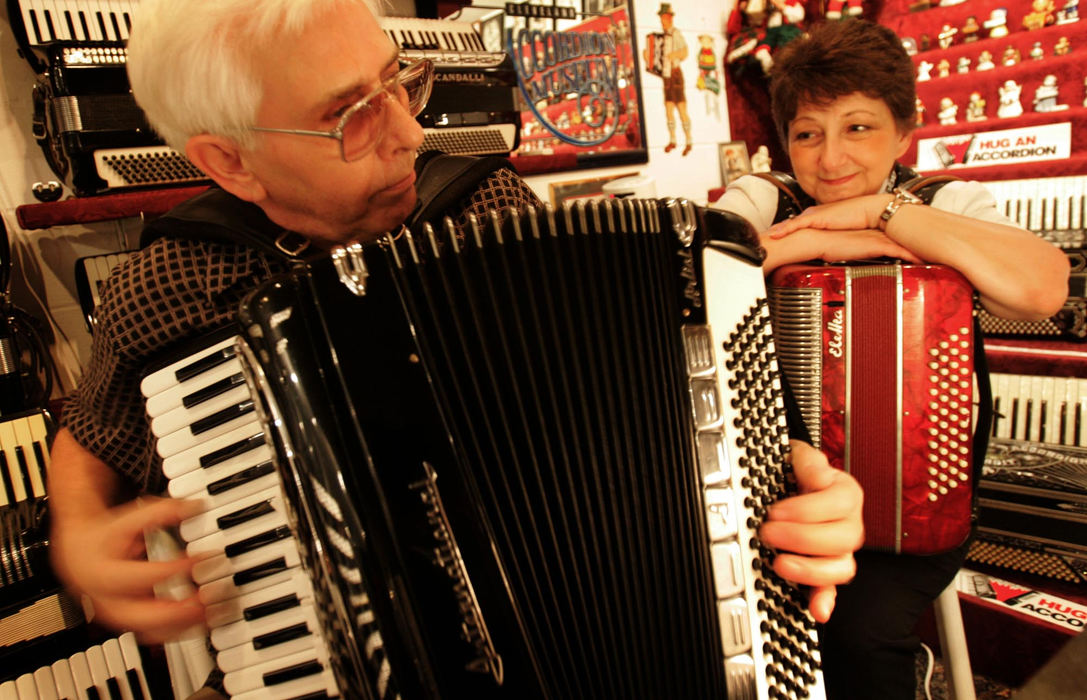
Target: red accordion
(654, 48)
(881, 360)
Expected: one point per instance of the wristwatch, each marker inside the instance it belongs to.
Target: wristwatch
(901, 197)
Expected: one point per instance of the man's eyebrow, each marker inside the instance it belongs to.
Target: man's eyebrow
(344, 93)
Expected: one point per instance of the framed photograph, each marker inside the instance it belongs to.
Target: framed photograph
(734, 161)
(588, 189)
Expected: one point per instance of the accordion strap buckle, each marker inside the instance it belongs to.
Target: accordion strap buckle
(351, 268)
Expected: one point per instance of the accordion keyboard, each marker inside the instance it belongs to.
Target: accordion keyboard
(259, 602)
(1040, 409)
(76, 20)
(112, 669)
(445, 42)
(24, 457)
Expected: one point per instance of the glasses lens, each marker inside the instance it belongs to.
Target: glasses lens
(363, 127)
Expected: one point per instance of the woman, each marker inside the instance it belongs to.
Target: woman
(844, 104)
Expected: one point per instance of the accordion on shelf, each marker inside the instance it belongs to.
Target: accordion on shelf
(881, 359)
(525, 463)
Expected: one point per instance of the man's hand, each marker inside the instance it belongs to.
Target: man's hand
(103, 559)
(818, 530)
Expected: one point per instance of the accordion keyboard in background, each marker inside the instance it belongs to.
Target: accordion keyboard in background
(91, 273)
(526, 464)
(112, 670)
(93, 134)
(880, 358)
(1056, 209)
(1032, 496)
(36, 615)
(473, 107)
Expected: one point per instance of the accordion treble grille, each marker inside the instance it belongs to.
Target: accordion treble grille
(574, 452)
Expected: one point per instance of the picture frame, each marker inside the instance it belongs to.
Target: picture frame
(587, 189)
(735, 160)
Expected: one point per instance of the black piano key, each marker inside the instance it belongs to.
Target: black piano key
(132, 679)
(997, 416)
(116, 27)
(39, 456)
(212, 390)
(92, 693)
(271, 607)
(256, 541)
(24, 471)
(1014, 417)
(1076, 424)
(5, 478)
(306, 668)
(128, 21)
(71, 27)
(242, 477)
(319, 695)
(83, 23)
(222, 416)
(1043, 410)
(204, 364)
(255, 573)
(48, 17)
(113, 688)
(1027, 419)
(102, 25)
(244, 515)
(263, 641)
(35, 27)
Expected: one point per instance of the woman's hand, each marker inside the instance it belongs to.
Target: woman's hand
(817, 531)
(829, 245)
(847, 215)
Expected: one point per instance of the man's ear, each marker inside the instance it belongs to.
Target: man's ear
(220, 158)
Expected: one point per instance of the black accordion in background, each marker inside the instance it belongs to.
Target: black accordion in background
(530, 461)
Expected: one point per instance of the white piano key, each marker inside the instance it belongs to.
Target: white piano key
(245, 631)
(227, 418)
(199, 481)
(220, 566)
(263, 675)
(8, 691)
(31, 431)
(296, 587)
(1033, 417)
(62, 676)
(45, 684)
(303, 687)
(181, 417)
(26, 688)
(1049, 425)
(236, 440)
(81, 675)
(245, 655)
(213, 501)
(220, 542)
(115, 665)
(208, 522)
(10, 446)
(171, 398)
(230, 587)
(96, 662)
(164, 378)
(133, 662)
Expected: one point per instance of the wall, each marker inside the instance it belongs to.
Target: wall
(43, 276)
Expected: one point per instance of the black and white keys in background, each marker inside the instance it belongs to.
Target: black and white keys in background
(112, 670)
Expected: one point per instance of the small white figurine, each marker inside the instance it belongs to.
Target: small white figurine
(997, 24)
(946, 36)
(1009, 100)
(1069, 13)
(1037, 52)
(964, 65)
(760, 161)
(943, 68)
(924, 71)
(1045, 97)
(948, 111)
(985, 61)
(975, 111)
(1062, 47)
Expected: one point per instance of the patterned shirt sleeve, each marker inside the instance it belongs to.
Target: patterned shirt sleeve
(171, 292)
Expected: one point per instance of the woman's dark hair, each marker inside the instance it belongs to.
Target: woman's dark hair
(839, 58)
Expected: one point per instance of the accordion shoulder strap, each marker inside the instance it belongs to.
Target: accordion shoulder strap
(792, 200)
(442, 180)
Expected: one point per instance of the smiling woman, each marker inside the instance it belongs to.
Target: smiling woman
(843, 102)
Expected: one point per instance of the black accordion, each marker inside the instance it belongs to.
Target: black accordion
(529, 460)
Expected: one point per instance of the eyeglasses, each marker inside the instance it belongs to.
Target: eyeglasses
(362, 126)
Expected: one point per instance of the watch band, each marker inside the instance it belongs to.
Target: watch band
(901, 197)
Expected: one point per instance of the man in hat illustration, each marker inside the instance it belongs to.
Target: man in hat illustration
(673, 51)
